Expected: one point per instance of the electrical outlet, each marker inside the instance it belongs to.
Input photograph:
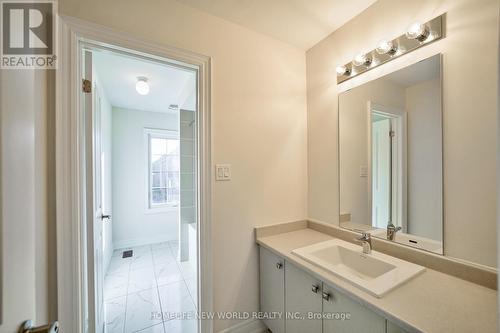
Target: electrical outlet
(222, 172)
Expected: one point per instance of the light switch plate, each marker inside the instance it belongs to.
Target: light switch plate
(363, 171)
(222, 172)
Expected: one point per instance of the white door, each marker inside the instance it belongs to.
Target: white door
(18, 223)
(95, 220)
(381, 173)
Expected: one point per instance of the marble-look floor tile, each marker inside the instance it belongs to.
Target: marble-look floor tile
(149, 286)
(118, 265)
(181, 326)
(115, 285)
(154, 329)
(187, 269)
(141, 261)
(143, 249)
(174, 248)
(114, 312)
(176, 301)
(167, 273)
(161, 245)
(141, 279)
(162, 255)
(192, 286)
(143, 310)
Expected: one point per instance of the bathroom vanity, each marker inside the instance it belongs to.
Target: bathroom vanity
(312, 298)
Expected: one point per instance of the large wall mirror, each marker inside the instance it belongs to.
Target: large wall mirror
(391, 156)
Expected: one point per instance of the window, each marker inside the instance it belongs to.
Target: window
(163, 168)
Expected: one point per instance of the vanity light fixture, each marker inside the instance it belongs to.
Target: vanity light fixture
(418, 35)
(342, 70)
(362, 59)
(418, 31)
(142, 85)
(386, 47)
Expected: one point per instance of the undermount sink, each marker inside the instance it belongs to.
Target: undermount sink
(376, 273)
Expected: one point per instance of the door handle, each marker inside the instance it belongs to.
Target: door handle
(27, 327)
(105, 217)
(326, 296)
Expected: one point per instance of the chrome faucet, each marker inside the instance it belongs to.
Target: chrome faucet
(366, 242)
(391, 231)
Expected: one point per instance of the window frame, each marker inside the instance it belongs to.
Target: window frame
(150, 133)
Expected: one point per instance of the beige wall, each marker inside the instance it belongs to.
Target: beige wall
(259, 127)
(425, 190)
(469, 116)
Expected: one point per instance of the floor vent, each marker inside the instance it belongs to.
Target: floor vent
(128, 254)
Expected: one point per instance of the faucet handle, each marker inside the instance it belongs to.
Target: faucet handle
(392, 227)
(365, 236)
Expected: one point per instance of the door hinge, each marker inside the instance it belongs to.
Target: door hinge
(392, 134)
(86, 86)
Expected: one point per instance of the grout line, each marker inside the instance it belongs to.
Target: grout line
(126, 298)
(157, 289)
(183, 278)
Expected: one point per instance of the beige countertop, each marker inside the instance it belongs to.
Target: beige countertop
(430, 302)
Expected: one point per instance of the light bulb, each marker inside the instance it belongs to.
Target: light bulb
(386, 47)
(418, 31)
(142, 86)
(342, 70)
(362, 60)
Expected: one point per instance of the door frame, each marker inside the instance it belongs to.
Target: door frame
(401, 146)
(71, 170)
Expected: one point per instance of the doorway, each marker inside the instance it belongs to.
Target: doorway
(388, 166)
(142, 238)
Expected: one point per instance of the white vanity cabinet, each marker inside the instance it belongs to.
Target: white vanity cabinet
(272, 288)
(361, 318)
(302, 298)
(288, 289)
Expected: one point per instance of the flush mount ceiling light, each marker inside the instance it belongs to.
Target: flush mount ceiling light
(386, 47)
(362, 59)
(418, 31)
(342, 70)
(142, 85)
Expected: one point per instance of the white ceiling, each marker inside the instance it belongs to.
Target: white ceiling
(424, 70)
(168, 85)
(302, 23)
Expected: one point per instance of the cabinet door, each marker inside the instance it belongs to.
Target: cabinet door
(302, 299)
(272, 289)
(348, 316)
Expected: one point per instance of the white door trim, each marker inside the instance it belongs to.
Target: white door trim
(402, 182)
(70, 161)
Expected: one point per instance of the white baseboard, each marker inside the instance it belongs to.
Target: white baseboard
(121, 244)
(247, 326)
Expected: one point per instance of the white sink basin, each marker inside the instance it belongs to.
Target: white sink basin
(375, 273)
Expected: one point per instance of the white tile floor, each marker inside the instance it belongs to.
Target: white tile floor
(138, 290)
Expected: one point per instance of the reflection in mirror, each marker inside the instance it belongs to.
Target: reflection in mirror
(390, 146)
